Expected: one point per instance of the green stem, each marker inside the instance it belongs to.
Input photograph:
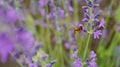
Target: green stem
(89, 34)
(85, 53)
(75, 11)
(48, 37)
(91, 21)
(62, 59)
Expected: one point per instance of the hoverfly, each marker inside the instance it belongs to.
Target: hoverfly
(78, 29)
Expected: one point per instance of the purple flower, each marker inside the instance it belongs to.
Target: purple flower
(25, 37)
(44, 24)
(92, 54)
(97, 33)
(6, 46)
(62, 13)
(74, 46)
(118, 28)
(102, 22)
(92, 64)
(8, 13)
(91, 3)
(44, 56)
(70, 8)
(50, 15)
(30, 62)
(12, 16)
(74, 55)
(11, 13)
(26, 41)
(51, 63)
(93, 18)
(77, 63)
(85, 19)
(28, 54)
(2, 12)
(91, 60)
(42, 2)
(67, 45)
(43, 12)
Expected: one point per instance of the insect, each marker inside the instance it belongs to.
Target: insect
(78, 29)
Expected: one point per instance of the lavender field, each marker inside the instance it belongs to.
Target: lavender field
(59, 33)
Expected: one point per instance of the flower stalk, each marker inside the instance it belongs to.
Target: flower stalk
(89, 35)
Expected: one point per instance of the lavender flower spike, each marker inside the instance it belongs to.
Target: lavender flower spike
(92, 17)
(77, 63)
(91, 60)
(74, 55)
(92, 54)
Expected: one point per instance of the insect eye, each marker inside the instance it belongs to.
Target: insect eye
(81, 28)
